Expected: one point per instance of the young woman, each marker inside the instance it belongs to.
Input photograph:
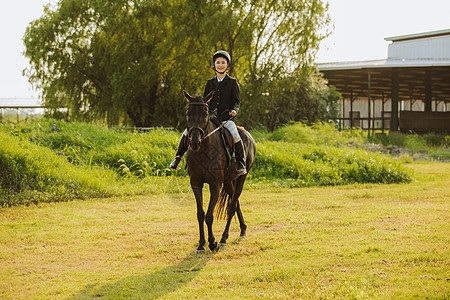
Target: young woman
(224, 105)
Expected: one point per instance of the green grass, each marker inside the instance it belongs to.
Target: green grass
(324, 134)
(83, 160)
(305, 164)
(435, 144)
(359, 241)
(88, 144)
(37, 172)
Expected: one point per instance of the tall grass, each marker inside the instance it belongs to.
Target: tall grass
(317, 134)
(54, 160)
(305, 164)
(127, 153)
(40, 174)
(435, 144)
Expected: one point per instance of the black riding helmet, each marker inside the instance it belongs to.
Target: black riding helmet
(221, 53)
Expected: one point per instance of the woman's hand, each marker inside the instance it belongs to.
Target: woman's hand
(233, 113)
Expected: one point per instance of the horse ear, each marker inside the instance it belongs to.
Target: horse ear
(209, 97)
(187, 96)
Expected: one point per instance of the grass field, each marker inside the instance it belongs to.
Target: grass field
(362, 241)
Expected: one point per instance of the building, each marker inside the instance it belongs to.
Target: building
(408, 91)
(20, 106)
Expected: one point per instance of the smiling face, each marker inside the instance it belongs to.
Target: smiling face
(221, 64)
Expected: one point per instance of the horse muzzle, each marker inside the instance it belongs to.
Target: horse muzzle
(194, 145)
(195, 135)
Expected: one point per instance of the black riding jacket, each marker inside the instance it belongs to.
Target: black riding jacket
(226, 96)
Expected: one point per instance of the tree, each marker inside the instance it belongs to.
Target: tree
(108, 60)
(295, 97)
(126, 61)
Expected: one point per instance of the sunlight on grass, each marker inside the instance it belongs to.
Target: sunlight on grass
(359, 241)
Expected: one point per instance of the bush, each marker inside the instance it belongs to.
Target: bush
(321, 165)
(127, 153)
(143, 154)
(31, 169)
(317, 134)
(39, 163)
(412, 141)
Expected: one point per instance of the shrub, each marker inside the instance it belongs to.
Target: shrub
(321, 165)
(146, 154)
(317, 134)
(28, 168)
(128, 153)
(81, 160)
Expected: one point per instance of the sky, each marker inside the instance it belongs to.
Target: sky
(358, 31)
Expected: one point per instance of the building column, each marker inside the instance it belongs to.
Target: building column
(351, 109)
(368, 104)
(394, 100)
(428, 89)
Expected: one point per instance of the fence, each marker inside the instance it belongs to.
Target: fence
(6, 110)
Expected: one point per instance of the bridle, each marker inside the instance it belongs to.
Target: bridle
(202, 130)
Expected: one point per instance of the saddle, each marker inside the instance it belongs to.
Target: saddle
(227, 140)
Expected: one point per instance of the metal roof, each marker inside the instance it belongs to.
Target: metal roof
(418, 35)
(20, 103)
(411, 81)
(383, 63)
(404, 56)
(352, 77)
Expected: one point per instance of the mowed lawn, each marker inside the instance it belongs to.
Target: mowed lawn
(347, 242)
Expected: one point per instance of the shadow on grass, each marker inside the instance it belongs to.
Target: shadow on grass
(150, 286)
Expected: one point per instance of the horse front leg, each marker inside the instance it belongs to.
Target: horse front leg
(200, 217)
(209, 218)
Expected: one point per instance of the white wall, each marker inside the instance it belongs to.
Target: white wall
(424, 48)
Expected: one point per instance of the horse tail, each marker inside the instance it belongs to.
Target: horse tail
(223, 202)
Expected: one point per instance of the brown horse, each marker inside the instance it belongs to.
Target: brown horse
(207, 162)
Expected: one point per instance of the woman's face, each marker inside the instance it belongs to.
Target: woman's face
(221, 64)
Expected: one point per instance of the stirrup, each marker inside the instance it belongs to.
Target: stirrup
(241, 170)
(175, 162)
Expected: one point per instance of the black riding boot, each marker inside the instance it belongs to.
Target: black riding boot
(240, 158)
(180, 152)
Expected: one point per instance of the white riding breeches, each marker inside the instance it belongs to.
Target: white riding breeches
(231, 128)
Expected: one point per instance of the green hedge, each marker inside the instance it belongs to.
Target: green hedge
(321, 165)
(34, 170)
(78, 160)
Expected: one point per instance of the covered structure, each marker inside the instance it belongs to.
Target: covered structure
(408, 91)
(26, 106)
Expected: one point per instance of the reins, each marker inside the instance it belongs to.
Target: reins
(218, 128)
(202, 131)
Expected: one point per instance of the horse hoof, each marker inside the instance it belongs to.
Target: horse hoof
(222, 245)
(242, 236)
(199, 251)
(214, 246)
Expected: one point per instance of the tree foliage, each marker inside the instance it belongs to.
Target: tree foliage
(126, 61)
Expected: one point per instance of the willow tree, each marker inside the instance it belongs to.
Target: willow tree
(280, 83)
(128, 60)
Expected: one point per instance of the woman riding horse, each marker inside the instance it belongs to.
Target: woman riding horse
(207, 162)
(224, 105)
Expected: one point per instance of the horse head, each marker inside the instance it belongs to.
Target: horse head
(197, 117)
